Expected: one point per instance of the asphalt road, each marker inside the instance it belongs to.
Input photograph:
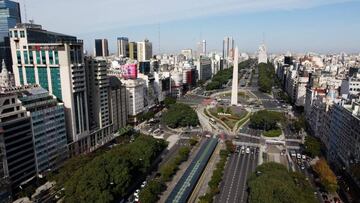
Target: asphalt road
(239, 167)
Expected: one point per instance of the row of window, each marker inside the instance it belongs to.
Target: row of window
(28, 57)
(15, 34)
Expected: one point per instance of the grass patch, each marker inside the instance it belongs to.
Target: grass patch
(273, 133)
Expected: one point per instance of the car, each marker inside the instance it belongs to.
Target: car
(247, 150)
(136, 199)
(302, 166)
(303, 157)
(242, 151)
(298, 155)
(143, 184)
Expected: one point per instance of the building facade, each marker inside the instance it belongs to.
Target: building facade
(123, 47)
(101, 47)
(119, 104)
(9, 17)
(144, 50)
(55, 62)
(48, 127)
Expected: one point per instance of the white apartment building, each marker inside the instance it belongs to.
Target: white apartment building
(135, 97)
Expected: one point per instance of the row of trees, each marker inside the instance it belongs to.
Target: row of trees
(312, 146)
(273, 183)
(218, 173)
(327, 176)
(223, 76)
(266, 120)
(266, 77)
(180, 115)
(152, 191)
(107, 176)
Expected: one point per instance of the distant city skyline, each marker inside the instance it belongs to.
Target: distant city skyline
(295, 26)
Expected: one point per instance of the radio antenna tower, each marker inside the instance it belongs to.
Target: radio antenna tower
(25, 11)
(159, 38)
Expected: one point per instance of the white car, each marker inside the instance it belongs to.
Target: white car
(303, 157)
(143, 184)
(247, 150)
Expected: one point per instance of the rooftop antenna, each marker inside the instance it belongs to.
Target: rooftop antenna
(25, 11)
(159, 38)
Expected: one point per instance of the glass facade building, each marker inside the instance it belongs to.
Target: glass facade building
(9, 17)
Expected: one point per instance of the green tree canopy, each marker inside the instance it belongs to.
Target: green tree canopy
(273, 183)
(266, 77)
(266, 120)
(180, 115)
(312, 146)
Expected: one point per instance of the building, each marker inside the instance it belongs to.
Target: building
(228, 47)
(48, 127)
(123, 47)
(18, 163)
(144, 50)
(9, 16)
(55, 62)
(133, 50)
(98, 98)
(262, 54)
(6, 78)
(188, 53)
(135, 98)
(119, 104)
(204, 47)
(101, 47)
(203, 66)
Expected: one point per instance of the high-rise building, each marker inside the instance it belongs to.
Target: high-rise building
(101, 47)
(187, 53)
(123, 47)
(9, 17)
(133, 50)
(48, 125)
(119, 104)
(204, 47)
(135, 98)
(18, 163)
(228, 47)
(144, 50)
(55, 62)
(262, 55)
(203, 66)
(98, 98)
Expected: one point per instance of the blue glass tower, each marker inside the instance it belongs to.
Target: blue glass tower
(9, 17)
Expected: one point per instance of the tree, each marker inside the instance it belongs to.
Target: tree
(180, 115)
(312, 146)
(273, 183)
(299, 124)
(230, 147)
(327, 176)
(109, 175)
(266, 120)
(266, 77)
(169, 101)
(150, 194)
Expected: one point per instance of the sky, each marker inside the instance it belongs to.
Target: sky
(325, 26)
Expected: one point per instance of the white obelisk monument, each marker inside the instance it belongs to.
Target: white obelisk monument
(235, 79)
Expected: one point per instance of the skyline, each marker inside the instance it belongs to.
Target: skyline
(295, 26)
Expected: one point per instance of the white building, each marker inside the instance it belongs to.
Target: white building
(262, 55)
(144, 50)
(135, 97)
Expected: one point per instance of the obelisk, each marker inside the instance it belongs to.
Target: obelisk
(235, 79)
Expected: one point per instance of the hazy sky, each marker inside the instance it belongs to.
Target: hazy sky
(289, 25)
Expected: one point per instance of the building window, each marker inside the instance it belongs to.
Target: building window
(26, 58)
(22, 34)
(21, 75)
(56, 57)
(51, 57)
(16, 34)
(31, 57)
(55, 82)
(43, 78)
(30, 75)
(38, 60)
(18, 55)
(43, 56)
(10, 34)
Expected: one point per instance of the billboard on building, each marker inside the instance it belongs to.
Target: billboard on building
(129, 71)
